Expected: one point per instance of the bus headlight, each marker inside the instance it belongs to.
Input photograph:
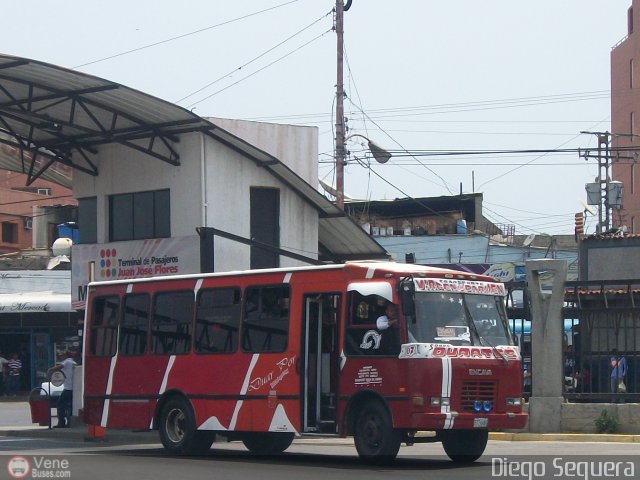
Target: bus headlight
(477, 406)
(486, 406)
(514, 402)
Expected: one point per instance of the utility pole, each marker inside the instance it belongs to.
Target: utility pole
(604, 185)
(603, 156)
(340, 151)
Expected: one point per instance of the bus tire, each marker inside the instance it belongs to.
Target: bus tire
(267, 443)
(464, 446)
(375, 438)
(178, 432)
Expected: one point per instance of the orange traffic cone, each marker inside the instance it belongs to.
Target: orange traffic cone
(95, 433)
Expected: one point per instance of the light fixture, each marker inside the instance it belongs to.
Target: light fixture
(380, 154)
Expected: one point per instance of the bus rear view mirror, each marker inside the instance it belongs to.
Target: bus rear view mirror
(407, 298)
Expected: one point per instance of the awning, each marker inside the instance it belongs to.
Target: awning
(54, 119)
(35, 302)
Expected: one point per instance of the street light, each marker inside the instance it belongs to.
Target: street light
(379, 153)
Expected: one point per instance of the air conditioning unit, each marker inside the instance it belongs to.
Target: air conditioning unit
(28, 223)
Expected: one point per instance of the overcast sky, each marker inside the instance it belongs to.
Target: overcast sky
(420, 75)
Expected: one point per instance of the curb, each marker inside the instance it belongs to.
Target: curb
(80, 434)
(564, 437)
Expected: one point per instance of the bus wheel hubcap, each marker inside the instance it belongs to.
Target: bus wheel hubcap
(372, 431)
(176, 425)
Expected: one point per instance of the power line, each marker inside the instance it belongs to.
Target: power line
(36, 200)
(260, 69)
(373, 113)
(531, 161)
(444, 182)
(144, 47)
(253, 59)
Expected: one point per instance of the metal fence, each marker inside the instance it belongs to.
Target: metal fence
(601, 325)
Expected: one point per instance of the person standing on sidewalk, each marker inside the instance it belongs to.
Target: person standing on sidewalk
(65, 402)
(14, 369)
(618, 372)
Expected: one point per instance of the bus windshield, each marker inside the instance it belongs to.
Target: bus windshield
(459, 319)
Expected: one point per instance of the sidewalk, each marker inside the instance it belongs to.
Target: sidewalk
(15, 421)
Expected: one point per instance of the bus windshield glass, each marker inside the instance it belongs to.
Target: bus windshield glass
(459, 319)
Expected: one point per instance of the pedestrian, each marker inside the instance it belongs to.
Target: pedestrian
(14, 370)
(3, 373)
(618, 372)
(65, 401)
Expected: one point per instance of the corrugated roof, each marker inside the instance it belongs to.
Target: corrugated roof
(51, 115)
(60, 115)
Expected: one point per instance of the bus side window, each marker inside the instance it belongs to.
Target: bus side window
(104, 326)
(217, 320)
(265, 325)
(171, 323)
(134, 328)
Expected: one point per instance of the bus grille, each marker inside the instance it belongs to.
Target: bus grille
(472, 391)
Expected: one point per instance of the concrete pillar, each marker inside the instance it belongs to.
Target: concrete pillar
(546, 343)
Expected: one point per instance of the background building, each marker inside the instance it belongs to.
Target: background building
(17, 204)
(625, 115)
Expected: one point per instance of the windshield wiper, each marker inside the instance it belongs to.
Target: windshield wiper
(493, 347)
(481, 338)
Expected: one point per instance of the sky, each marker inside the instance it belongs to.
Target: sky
(419, 76)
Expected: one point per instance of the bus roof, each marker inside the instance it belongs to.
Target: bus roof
(371, 266)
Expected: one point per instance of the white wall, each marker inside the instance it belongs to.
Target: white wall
(123, 170)
(295, 146)
(228, 178)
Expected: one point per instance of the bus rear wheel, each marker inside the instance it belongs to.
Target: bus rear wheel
(267, 443)
(178, 431)
(464, 446)
(375, 438)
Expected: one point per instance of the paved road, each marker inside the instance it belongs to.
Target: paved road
(139, 456)
(306, 459)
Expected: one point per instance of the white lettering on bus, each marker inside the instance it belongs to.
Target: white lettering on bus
(458, 286)
(371, 339)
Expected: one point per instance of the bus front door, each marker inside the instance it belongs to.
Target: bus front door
(320, 362)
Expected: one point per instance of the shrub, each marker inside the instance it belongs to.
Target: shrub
(606, 423)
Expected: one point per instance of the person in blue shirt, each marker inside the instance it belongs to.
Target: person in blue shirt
(618, 370)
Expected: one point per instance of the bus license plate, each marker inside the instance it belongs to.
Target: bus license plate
(481, 422)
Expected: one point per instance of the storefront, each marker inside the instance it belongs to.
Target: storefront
(36, 320)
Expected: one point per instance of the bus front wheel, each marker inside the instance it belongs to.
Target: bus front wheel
(267, 443)
(375, 438)
(464, 446)
(178, 431)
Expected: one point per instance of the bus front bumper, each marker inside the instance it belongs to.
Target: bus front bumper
(455, 420)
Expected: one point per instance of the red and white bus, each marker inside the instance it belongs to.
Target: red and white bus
(262, 356)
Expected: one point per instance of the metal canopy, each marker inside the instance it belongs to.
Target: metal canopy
(52, 114)
(53, 119)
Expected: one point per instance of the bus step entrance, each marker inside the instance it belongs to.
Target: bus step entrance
(327, 426)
